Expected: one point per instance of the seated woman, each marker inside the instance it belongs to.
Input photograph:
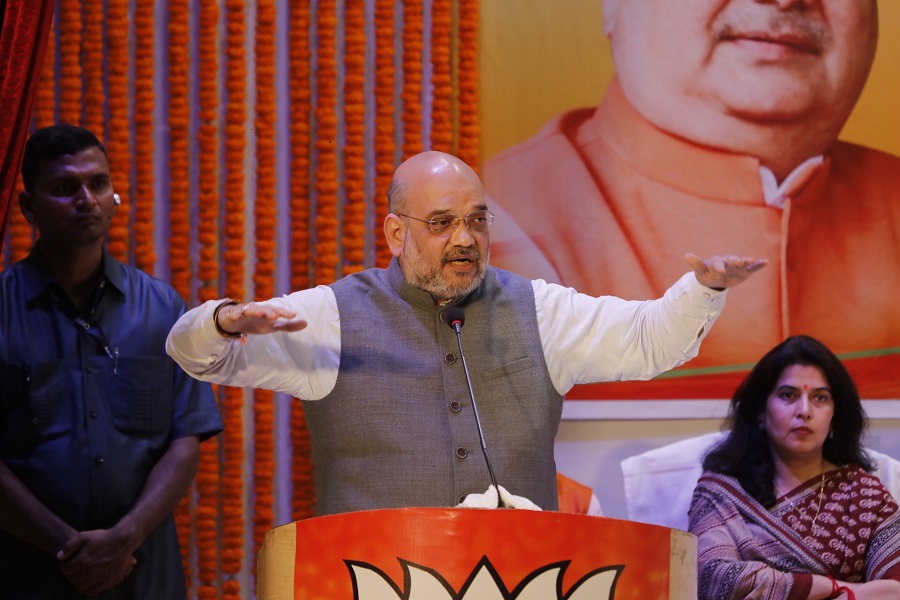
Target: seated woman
(785, 508)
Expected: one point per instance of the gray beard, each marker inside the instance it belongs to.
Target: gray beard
(436, 285)
(431, 280)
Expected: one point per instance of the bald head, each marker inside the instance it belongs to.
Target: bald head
(424, 172)
(433, 195)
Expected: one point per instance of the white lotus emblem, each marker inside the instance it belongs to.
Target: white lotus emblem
(423, 583)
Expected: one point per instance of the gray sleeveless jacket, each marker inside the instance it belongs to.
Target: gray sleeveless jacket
(398, 428)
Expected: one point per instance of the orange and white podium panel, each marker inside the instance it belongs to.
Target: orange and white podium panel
(475, 554)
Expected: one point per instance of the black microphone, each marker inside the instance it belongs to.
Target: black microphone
(456, 318)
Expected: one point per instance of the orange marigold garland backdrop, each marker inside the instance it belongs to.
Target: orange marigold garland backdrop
(300, 138)
(179, 159)
(326, 254)
(385, 147)
(263, 501)
(92, 71)
(303, 492)
(354, 230)
(144, 101)
(441, 75)
(206, 513)
(233, 256)
(412, 78)
(45, 102)
(179, 204)
(333, 164)
(118, 133)
(70, 39)
(469, 129)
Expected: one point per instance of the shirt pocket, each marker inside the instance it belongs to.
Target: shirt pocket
(141, 399)
(37, 401)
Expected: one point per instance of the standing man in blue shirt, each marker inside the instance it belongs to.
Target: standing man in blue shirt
(99, 429)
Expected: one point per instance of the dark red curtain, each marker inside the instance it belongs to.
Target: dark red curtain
(24, 29)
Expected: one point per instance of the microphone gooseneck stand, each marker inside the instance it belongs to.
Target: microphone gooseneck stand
(455, 318)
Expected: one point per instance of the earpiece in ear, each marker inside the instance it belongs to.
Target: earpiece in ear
(117, 199)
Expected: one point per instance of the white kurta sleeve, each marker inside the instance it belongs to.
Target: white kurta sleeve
(302, 363)
(589, 340)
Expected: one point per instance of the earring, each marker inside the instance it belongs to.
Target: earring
(830, 432)
(117, 199)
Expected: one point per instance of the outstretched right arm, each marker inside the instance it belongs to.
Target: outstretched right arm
(289, 344)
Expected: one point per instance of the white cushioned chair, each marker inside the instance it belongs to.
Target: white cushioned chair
(659, 483)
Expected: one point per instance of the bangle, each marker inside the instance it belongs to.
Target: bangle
(226, 334)
(844, 588)
(835, 588)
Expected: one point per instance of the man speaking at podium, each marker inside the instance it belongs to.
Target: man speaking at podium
(393, 420)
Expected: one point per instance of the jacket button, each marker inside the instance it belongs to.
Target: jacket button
(98, 460)
(455, 406)
(450, 358)
(462, 452)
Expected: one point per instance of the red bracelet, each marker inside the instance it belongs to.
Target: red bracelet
(835, 588)
(850, 594)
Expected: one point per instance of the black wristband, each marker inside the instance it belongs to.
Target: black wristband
(222, 332)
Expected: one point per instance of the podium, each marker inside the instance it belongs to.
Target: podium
(475, 554)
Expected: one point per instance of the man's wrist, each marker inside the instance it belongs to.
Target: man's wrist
(219, 330)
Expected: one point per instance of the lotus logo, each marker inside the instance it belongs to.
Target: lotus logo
(422, 583)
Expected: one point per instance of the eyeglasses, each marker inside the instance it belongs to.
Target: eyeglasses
(477, 222)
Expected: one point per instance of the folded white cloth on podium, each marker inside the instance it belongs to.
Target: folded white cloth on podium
(489, 500)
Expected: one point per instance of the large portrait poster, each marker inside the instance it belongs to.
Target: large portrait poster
(614, 144)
